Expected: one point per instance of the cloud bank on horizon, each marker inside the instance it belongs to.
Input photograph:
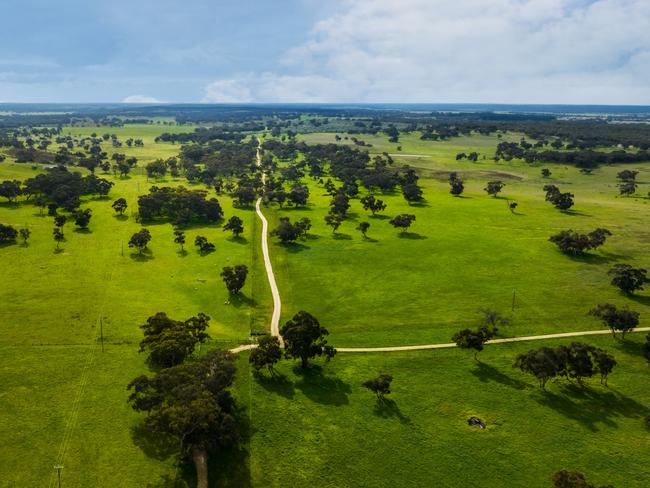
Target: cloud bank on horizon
(491, 51)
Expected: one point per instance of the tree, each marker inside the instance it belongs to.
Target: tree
(10, 189)
(266, 354)
(546, 173)
(616, 319)
(234, 278)
(140, 240)
(456, 184)
(299, 195)
(543, 363)
(179, 238)
(24, 234)
(340, 203)
(627, 278)
(334, 220)
(572, 479)
(627, 175)
(58, 235)
(60, 220)
(203, 244)
(363, 227)
(575, 243)
(563, 201)
(373, 204)
(470, 339)
(402, 221)
(169, 342)
(604, 364)
(492, 318)
(120, 205)
(411, 192)
(286, 231)
(234, 224)
(157, 168)
(380, 385)
(627, 188)
(304, 339)
(7, 233)
(82, 218)
(494, 187)
(192, 404)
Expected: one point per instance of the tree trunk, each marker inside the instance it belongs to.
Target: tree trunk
(304, 362)
(200, 457)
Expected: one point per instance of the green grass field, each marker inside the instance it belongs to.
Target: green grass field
(63, 398)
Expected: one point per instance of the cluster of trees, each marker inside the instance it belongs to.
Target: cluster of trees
(456, 185)
(304, 339)
(616, 319)
(572, 479)
(288, 231)
(562, 201)
(58, 188)
(628, 278)
(179, 205)
(627, 182)
(576, 361)
(571, 242)
(186, 400)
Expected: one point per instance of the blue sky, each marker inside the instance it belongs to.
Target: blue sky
(510, 51)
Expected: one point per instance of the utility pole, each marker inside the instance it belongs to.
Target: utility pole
(58, 468)
(101, 331)
(513, 299)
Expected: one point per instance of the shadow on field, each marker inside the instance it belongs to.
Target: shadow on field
(121, 217)
(422, 203)
(167, 481)
(154, 445)
(639, 299)
(7, 244)
(230, 468)
(240, 299)
(369, 239)
(238, 240)
(277, 383)
(576, 213)
(588, 258)
(10, 205)
(387, 408)
(632, 348)
(81, 230)
(487, 373)
(341, 237)
(293, 247)
(146, 255)
(591, 406)
(327, 390)
(411, 235)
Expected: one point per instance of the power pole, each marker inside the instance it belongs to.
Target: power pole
(101, 331)
(58, 468)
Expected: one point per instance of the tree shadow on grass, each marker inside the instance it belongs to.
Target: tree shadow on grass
(379, 217)
(121, 217)
(82, 230)
(277, 383)
(588, 258)
(590, 406)
(7, 244)
(167, 481)
(642, 300)
(58, 250)
(154, 445)
(421, 203)
(182, 253)
(633, 348)
(238, 240)
(326, 390)
(411, 235)
(575, 213)
(369, 239)
(487, 373)
(230, 468)
(341, 237)
(10, 205)
(293, 247)
(240, 300)
(145, 256)
(387, 408)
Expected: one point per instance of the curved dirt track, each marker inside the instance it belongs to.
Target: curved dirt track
(277, 307)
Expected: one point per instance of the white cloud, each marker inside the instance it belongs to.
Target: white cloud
(141, 99)
(230, 90)
(534, 51)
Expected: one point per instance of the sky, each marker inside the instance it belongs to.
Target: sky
(224, 51)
